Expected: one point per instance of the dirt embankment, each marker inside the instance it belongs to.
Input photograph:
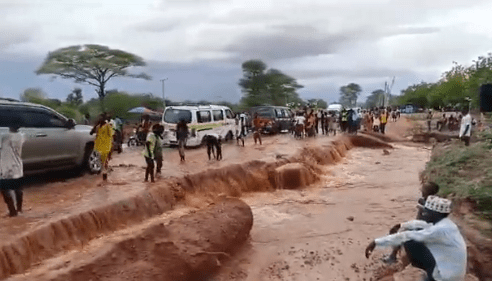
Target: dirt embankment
(188, 248)
(479, 246)
(75, 231)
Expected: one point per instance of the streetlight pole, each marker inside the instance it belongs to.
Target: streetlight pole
(163, 97)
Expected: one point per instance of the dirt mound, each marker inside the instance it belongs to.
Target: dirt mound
(427, 136)
(368, 141)
(383, 137)
(188, 248)
(294, 175)
(76, 230)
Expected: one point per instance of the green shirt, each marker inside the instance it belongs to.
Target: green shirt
(149, 148)
(158, 148)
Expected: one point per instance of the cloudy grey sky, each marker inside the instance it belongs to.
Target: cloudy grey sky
(199, 45)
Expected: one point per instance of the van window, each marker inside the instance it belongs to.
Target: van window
(218, 115)
(286, 113)
(229, 114)
(203, 116)
(265, 112)
(175, 115)
(278, 112)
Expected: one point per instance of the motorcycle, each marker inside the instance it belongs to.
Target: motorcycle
(137, 139)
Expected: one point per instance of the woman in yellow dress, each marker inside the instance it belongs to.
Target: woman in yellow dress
(104, 141)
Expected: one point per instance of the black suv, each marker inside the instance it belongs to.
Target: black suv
(280, 115)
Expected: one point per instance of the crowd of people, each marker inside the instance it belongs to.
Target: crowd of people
(109, 132)
(309, 122)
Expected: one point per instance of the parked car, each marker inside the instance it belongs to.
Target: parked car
(53, 142)
(281, 117)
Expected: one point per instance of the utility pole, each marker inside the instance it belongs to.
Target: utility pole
(163, 96)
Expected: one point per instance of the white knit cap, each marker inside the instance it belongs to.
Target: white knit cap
(438, 204)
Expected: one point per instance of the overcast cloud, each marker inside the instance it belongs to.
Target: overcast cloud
(200, 44)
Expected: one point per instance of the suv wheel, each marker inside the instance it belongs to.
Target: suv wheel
(93, 160)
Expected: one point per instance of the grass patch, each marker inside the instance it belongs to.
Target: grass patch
(464, 172)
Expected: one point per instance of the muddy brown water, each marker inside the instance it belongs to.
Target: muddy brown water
(320, 233)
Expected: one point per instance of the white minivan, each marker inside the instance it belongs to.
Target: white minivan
(202, 120)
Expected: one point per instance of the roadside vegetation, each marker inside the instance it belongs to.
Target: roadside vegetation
(464, 172)
(454, 87)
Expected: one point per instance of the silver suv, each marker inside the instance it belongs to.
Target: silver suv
(53, 142)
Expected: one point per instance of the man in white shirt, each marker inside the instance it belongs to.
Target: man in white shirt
(433, 244)
(466, 126)
(11, 167)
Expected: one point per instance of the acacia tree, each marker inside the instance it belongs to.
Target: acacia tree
(349, 94)
(75, 97)
(374, 98)
(91, 64)
(261, 86)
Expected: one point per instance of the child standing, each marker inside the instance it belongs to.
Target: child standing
(11, 168)
(104, 141)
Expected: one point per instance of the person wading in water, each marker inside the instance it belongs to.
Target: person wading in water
(181, 135)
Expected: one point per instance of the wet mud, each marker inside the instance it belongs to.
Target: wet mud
(75, 230)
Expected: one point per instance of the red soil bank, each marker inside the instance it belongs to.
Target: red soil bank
(188, 248)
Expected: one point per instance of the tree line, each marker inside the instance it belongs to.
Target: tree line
(96, 65)
(454, 87)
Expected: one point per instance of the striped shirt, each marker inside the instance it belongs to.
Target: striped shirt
(10, 156)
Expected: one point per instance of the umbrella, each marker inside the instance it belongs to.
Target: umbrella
(140, 110)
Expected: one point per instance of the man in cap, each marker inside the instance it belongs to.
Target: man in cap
(433, 244)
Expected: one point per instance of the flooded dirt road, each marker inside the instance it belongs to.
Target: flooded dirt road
(320, 233)
(316, 233)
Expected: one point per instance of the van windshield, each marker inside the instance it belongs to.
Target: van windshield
(175, 115)
(265, 112)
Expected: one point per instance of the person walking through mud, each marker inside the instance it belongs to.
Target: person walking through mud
(429, 120)
(104, 141)
(466, 126)
(158, 153)
(11, 167)
(257, 126)
(144, 127)
(428, 189)
(182, 135)
(149, 152)
(323, 122)
(383, 118)
(433, 244)
(343, 120)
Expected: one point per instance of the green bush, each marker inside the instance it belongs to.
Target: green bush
(464, 172)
